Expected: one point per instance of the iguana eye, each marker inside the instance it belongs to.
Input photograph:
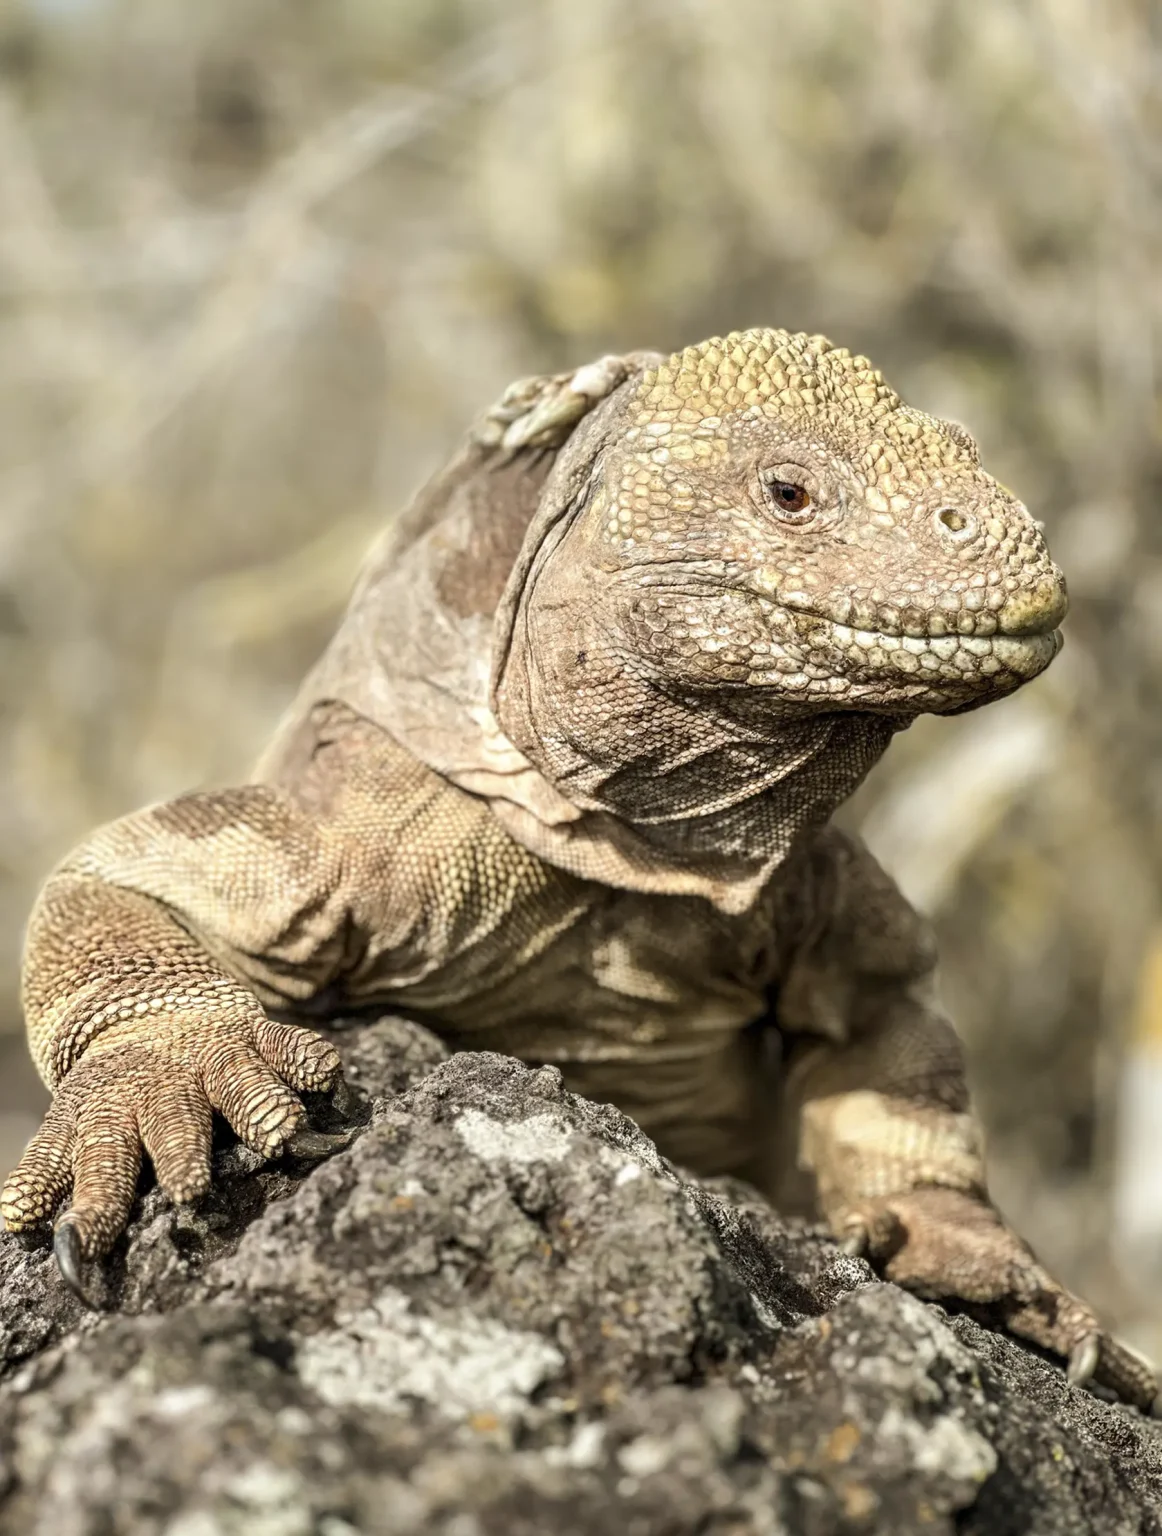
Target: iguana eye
(787, 498)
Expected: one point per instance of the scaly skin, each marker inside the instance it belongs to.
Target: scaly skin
(707, 590)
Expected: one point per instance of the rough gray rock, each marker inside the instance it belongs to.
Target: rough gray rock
(499, 1312)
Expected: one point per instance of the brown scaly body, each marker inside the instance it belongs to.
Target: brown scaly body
(561, 787)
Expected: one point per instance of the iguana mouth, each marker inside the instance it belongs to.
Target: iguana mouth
(1026, 615)
(960, 671)
(810, 652)
(948, 658)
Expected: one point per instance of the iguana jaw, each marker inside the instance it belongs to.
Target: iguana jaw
(714, 628)
(925, 674)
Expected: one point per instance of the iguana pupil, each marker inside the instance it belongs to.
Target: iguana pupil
(792, 497)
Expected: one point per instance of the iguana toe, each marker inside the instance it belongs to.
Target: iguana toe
(300, 1057)
(263, 1110)
(175, 1121)
(40, 1181)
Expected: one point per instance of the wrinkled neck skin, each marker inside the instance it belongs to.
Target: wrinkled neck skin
(727, 771)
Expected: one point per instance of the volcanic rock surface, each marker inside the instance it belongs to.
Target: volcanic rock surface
(500, 1312)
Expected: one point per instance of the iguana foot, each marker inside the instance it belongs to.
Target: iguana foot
(160, 1097)
(944, 1244)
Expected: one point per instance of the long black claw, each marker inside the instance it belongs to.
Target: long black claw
(344, 1099)
(311, 1145)
(70, 1260)
(1083, 1360)
(856, 1242)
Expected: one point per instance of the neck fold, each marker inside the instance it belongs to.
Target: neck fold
(700, 793)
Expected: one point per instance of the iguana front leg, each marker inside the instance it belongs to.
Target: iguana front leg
(886, 1128)
(146, 957)
(153, 948)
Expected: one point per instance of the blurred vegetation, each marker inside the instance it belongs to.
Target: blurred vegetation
(260, 260)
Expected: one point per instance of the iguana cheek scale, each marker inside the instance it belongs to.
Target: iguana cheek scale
(561, 787)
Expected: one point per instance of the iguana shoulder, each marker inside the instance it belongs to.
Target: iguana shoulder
(413, 651)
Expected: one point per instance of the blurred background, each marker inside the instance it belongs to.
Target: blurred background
(261, 260)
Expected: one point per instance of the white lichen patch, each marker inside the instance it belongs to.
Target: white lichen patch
(585, 1450)
(645, 1456)
(543, 1138)
(946, 1445)
(387, 1356)
(941, 1442)
(180, 1402)
(909, 1368)
(274, 1500)
(259, 1500)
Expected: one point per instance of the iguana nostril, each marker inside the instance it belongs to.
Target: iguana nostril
(954, 524)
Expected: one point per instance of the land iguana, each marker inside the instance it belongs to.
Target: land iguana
(561, 787)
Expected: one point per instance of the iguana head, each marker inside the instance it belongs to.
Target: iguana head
(774, 516)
